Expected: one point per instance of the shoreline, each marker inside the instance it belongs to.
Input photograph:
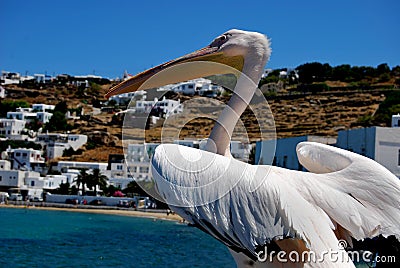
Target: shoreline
(107, 211)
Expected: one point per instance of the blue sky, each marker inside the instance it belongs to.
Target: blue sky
(106, 37)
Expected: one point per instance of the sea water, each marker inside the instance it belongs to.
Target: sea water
(42, 238)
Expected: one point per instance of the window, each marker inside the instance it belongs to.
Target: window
(284, 161)
(32, 183)
(398, 163)
(143, 169)
(1, 178)
(18, 154)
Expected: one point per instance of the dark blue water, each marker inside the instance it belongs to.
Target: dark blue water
(41, 238)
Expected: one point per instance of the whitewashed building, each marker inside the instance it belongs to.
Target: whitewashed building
(11, 128)
(381, 144)
(165, 107)
(41, 107)
(65, 165)
(15, 179)
(138, 159)
(11, 179)
(26, 159)
(200, 86)
(396, 120)
(50, 182)
(2, 92)
(43, 117)
(240, 151)
(28, 115)
(56, 143)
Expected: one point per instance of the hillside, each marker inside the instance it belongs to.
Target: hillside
(319, 113)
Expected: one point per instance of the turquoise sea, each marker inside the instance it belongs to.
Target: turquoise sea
(41, 238)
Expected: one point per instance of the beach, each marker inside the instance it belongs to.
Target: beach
(161, 215)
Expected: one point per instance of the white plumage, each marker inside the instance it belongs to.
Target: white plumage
(357, 193)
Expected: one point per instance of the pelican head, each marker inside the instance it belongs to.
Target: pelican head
(235, 48)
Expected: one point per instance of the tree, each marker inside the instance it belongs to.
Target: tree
(57, 122)
(96, 178)
(134, 188)
(82, 179)
(342, 73)
(9, 106)
(63, 188)
(314, 72)
(382, 69)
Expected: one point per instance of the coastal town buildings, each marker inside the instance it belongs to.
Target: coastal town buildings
(57, 143)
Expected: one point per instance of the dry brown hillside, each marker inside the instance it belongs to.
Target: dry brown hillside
(317, 114)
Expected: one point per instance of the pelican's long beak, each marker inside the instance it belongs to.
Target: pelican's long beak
(187, 72)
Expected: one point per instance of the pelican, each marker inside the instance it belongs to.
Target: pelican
(266, 214)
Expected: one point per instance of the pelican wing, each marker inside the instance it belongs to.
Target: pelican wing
(212, 191)
(359, 194)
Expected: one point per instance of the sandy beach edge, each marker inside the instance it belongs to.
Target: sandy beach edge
(107, 211)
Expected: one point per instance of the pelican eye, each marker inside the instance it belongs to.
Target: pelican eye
(218, 42)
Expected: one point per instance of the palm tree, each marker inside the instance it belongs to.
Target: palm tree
(96, 178)
(82, 179)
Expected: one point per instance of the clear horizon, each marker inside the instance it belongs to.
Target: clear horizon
(105, 38)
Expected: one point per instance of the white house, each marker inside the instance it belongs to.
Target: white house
(44, 117)
(14, 179)
(396, 120)
(2, 92)
(138, 160)
(22, 114)
(125, 98)
(5, 165)
(40, 107)
(240, 151)
(200, 86)
(50, 182)
(56, 143)
(11, 179)
(282, 152)
(8, 78)
(198, 144)
(163, 108)
(11, 128)
(42, 78)
(381, 144)
(28, 115)
(65, 165)
(26, 159)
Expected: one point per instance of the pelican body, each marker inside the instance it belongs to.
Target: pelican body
(261, 211)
